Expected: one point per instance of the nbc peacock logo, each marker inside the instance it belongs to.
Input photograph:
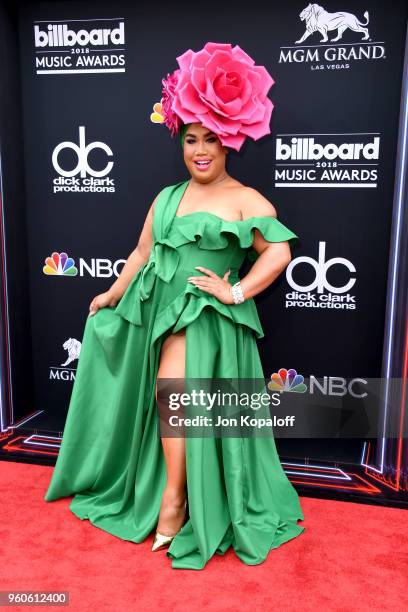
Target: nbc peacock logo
(287, 380)
(60, 264)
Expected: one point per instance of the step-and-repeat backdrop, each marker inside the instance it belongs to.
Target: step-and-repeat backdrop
(94, 161)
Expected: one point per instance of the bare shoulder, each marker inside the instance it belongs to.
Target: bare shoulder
(254, 204)
(154, 202)
(153, 205)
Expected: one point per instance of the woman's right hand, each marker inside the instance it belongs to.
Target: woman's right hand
(101, 301)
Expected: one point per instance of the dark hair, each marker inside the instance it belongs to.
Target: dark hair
(182, 133)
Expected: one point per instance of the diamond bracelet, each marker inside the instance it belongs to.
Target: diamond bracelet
(237, 293)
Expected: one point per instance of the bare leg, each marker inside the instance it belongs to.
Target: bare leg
(172, 511)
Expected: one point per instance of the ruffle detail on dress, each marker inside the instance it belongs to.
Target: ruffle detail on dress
(189, 304)
(211, 232)
(185, 308)
(129, 306)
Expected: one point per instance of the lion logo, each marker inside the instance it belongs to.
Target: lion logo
(73, 347)
(319, 20)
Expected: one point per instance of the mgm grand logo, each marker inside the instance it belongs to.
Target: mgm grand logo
(322, 54)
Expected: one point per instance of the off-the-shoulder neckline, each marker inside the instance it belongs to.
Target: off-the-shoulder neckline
(205, 212)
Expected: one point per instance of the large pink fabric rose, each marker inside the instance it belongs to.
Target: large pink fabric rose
(221, 88)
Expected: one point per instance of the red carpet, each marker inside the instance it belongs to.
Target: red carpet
(352, 557)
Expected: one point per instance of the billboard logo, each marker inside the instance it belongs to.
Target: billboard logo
(327, 160)
(320, 293)
(66, 183)
(77, 47)
(60, 36)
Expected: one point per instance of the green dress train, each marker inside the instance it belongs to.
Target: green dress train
(111, 458)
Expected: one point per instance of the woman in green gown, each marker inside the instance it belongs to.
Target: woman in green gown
(172, 314)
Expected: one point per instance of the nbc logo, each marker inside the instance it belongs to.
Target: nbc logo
(60, 264)
(290, 381)
(287, 380)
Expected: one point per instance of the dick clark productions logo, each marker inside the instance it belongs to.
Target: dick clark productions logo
(83, 177)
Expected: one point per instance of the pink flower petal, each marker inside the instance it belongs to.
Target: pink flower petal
(255, 80)
(247, 110)
(219, 124)
(233, 66)
(201, 58)
(257, 130)
(212, 47)
(266, 79)
(209, 89)
(206, 121)
(227, 86)
(184, 77)
(189, 98)
(233, 141)
(230, 109)
(256, 113)
(240, 54)
(184, 60)
(185, 115)
(218, 59)
(198, 79)
(246, 92)
(214, 107)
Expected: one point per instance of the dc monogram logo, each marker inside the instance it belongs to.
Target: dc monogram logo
(320, 267)
(82, 152)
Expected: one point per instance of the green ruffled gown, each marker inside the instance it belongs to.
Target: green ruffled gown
(111, 458)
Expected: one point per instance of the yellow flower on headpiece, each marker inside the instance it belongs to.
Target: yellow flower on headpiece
(157, 116)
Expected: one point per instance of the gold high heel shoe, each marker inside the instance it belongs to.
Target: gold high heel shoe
(163, 541)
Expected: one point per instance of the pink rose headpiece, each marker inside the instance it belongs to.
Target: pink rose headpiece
(221, 88)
